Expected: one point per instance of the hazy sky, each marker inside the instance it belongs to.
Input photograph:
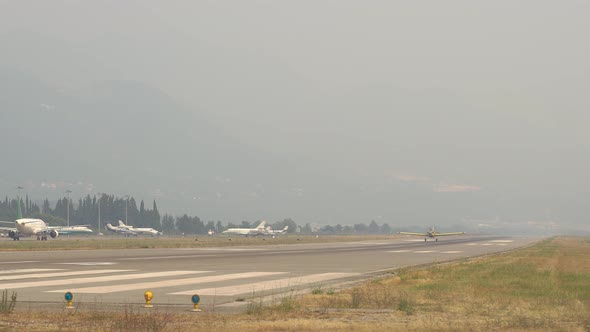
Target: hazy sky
(474, 97)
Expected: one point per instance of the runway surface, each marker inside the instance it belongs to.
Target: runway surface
(224, 277)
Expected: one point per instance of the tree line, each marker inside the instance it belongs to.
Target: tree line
(113, 208)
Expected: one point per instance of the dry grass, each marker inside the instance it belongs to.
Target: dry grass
(543, 287)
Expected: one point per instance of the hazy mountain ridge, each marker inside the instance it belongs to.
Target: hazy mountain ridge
(124, 135)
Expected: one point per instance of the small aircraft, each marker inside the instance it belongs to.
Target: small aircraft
(277, 232)
(37, 227)
(130, 230)
(432, 234)
(258, 230)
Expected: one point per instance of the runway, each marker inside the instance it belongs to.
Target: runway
(224, 277)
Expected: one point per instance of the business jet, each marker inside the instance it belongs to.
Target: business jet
(130, 230)
(119, 230)
(36, 227)
(258, 230)
(277, 232)
(432, 234)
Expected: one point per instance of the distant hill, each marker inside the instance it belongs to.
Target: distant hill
(120, 137)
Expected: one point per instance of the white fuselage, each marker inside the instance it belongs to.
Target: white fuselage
(145, 231)
(130, 230)
(259, 230)
(28, 226)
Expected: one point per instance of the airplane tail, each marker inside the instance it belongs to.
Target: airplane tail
(121, 224)
(20, 215)
(286, 228)
(262, 224)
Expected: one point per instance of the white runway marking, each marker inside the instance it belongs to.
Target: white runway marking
(27, 270)
(58, 274)
(62, 282)
(218, 249)
(502, 241)
(399, 251)
(486, 244)
(423, 252)
(451, 252)
(266, 285)
(90, 263)
(165, 283)
(163, 257)
(21, 262)
(502, 244)
(471, 244)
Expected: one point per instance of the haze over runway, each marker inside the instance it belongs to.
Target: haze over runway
(221, 275)
(325, 112)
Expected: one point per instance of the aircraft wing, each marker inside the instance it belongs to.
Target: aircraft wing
(452, 233)
(7, 229)
(7, 226)
(417, 234)
(70, 229)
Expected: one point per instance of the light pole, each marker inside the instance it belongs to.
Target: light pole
(20, 193)
(99, 199)
(68, 192)
(126, 202)
(18, 199)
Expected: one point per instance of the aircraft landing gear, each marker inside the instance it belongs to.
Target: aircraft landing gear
(436, 240)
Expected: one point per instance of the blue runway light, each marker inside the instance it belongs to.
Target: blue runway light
(69, 297)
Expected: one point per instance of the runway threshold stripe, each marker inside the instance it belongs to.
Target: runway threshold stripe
(166, 283)
(58, 274)
(78, 281)
(27, 270)
(266, 285)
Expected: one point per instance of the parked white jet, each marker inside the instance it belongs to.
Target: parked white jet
(37, 227)
(432, 234)
(277, 232)
(130, 230)
(258, 230)
(119, 230)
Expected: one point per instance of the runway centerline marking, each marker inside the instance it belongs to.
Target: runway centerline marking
(89, 263)
(163, 257)
(451, 252)
(396, 251)
(165, 283)
(58, 274)
(266, 285)
(423, 251)
(219, 249)
(61, 282)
